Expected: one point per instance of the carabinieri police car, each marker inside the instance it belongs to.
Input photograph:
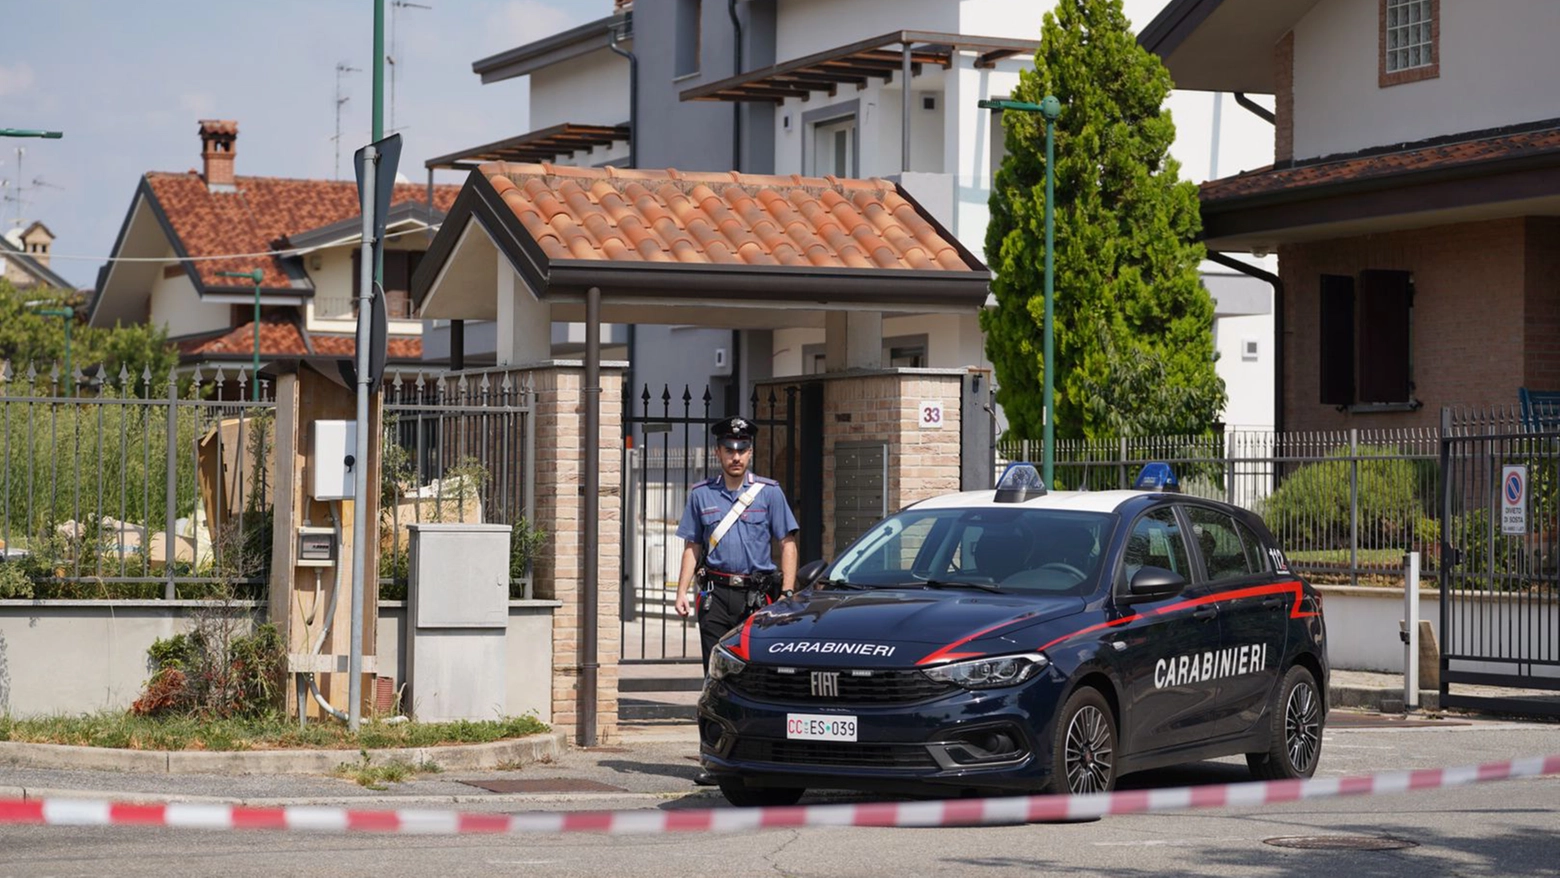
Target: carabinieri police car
(1024, 640)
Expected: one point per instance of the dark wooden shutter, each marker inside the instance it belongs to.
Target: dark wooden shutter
(1337, 339)
(1385, 299)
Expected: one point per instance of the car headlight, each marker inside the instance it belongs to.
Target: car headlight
(723, 664)
(987, 673)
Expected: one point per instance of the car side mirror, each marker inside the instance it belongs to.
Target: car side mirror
(1152, 583)
(809, 573)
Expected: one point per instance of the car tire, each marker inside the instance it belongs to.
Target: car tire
(744, 796)
(1294, 730)
(1083, 750)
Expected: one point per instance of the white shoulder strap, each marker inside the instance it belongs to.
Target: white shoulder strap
(737, 508)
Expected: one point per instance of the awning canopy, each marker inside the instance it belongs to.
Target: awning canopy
(712, 249)
(854, 64)
(541, 145)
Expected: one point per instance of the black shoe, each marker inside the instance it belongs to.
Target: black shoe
(705, 779)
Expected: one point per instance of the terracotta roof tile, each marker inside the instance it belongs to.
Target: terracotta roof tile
(720, 218)
(1270, 180)
(281, 336)
(260, 212)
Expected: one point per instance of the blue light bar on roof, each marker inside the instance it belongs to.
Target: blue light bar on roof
(1157, 476)
(1019, 482)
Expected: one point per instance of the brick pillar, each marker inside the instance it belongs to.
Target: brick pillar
(1284, 99)
(560, 456)
(923, 461)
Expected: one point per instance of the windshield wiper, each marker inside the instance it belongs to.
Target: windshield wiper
(840, 583)
(955, 583)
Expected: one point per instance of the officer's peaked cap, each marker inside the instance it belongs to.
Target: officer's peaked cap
(736, 427)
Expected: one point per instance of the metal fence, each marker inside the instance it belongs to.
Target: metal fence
(458, 447)
(1346, 504)
(134, 486)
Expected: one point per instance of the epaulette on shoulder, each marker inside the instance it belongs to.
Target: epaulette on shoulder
(764, 480)
(708, 483)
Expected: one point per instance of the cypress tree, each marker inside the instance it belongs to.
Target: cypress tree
(1133, 324)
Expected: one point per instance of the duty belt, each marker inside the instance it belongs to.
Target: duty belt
(738, 580)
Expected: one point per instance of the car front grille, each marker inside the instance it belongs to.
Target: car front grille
(834, 754)
(881, 687)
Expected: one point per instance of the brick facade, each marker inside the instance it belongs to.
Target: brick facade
(1484, 320)
(560, 461)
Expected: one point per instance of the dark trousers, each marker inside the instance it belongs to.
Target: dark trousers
(721, 608)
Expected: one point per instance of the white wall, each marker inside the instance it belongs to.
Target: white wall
(592, 89)
(1248, 383)
(807, 26)
(1496, 69)
(175, 306)
(1002, 18)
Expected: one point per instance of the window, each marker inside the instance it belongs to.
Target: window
(399, 267)
(688, 40)
(1249, 349)
(834, 148)
(1156, 542)
(1410, 36)
(1366, 335)
(1219, 540)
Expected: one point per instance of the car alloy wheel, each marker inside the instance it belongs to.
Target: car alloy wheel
(1088, 745)
(1302, 726)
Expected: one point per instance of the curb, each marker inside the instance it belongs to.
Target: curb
(455, 757)
(1382, 700)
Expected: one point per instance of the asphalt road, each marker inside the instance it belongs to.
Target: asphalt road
(1506, 828)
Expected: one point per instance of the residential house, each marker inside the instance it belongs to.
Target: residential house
(183, 229)
(1413, 201)
(24, 258)
(815, 88)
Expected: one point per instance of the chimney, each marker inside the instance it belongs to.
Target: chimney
(216, 148)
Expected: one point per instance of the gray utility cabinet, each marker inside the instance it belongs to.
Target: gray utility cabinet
(456, 622)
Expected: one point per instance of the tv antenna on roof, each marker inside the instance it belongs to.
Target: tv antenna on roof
(395, 51)
(342, 68)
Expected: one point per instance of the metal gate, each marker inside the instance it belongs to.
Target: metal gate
(1500, 546)
(667, 449)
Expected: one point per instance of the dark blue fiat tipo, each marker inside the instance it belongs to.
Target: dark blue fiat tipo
(1023, 640)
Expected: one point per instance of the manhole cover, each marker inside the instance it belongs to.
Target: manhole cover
(1341, 842)
(544, 785)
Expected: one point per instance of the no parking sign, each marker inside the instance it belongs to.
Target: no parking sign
(1513, 499)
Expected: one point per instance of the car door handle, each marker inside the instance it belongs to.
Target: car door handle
(1274, 603)
(1207, 612)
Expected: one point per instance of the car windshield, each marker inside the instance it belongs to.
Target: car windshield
(1046, 551)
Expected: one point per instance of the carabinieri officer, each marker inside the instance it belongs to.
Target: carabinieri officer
(731, 520)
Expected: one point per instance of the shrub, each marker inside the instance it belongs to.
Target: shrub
(1311, 507)
(213, 672)
(525, 542)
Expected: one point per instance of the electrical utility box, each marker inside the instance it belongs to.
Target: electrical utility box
(330, 476)
(457, 621)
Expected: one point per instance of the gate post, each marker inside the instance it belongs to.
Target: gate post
(559, 417)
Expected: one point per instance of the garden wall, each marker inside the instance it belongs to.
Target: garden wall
(74, 657)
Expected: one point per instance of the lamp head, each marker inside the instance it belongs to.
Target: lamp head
(1050, 108)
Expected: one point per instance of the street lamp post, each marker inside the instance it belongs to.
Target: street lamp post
(31, 132)
(253, 277)
(1050, 108)
(69, 316)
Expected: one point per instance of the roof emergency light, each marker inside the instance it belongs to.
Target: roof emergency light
(1157, 476)
(1019, 482)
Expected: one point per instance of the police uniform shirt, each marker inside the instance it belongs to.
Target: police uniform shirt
(746, 546)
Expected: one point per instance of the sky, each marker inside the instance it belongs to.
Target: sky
(128, 81)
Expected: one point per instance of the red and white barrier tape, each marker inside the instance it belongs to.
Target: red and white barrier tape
(955, 812)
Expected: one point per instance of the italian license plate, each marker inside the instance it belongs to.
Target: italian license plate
(820, 727)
